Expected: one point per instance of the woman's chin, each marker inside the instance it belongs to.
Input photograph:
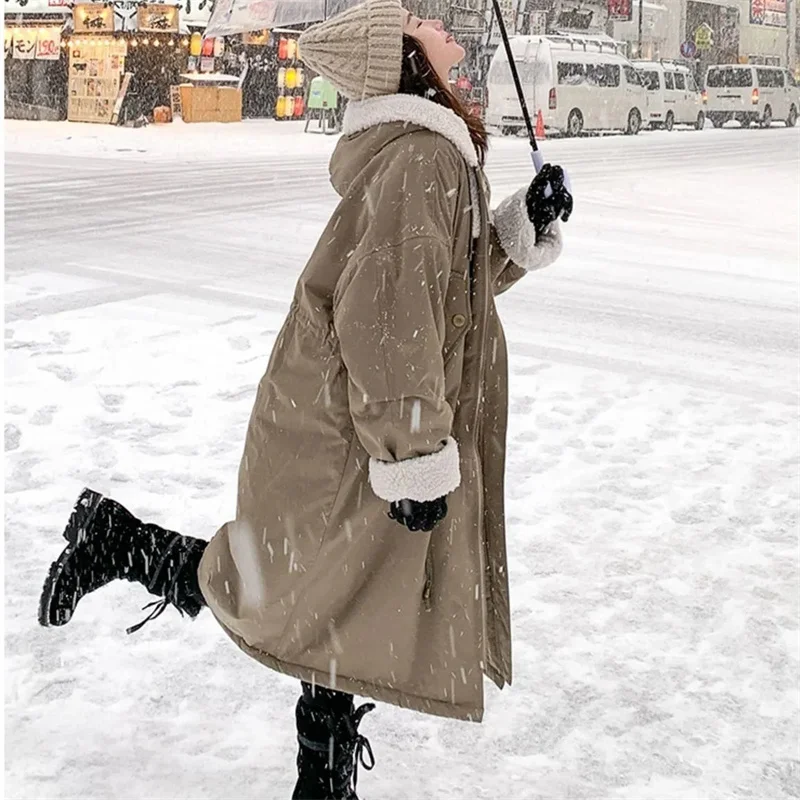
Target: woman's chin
(459, 53)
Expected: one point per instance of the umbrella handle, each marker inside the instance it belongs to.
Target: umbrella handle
(538, 163)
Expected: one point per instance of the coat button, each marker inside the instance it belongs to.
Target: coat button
(459, 320)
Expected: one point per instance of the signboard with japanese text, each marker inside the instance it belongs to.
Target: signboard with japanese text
(96, 65)
(93, 18)
(620, 10)
(158, 19)
(768, 12)
(24, 46)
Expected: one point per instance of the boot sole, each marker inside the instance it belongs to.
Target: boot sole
(74, 533)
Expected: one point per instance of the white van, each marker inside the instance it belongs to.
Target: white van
(673, 97)
(750, 93)
(579, 83)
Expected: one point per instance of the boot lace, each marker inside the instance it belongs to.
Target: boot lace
(160, 606)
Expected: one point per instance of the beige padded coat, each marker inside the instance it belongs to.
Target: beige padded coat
(387, 381)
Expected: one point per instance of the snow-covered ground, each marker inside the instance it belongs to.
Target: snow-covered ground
(653, 491)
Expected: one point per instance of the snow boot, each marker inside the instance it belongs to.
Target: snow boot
(331, 748)
(105, 542)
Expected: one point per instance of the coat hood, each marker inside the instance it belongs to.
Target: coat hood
(367, 130)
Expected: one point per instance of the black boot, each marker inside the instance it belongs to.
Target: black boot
(105, 542)
(331, 747)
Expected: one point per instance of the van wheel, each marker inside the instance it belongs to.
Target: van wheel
(574, 123)
(634, 122)
(766, 120)
(669, 123)
(701, 121)
(792, 118)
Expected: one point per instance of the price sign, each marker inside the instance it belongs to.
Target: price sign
(48, 44)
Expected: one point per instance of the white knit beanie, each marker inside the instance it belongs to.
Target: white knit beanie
(360, 51)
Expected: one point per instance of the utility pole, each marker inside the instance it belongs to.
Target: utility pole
(641, 19)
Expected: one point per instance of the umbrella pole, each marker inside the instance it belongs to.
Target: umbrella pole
(517, 85)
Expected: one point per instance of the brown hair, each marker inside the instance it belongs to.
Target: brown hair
(419, 77)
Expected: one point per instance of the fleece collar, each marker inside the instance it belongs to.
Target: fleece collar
(363, 114)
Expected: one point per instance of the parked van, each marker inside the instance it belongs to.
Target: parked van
(673, 97)
(750, 93)
(579, 83)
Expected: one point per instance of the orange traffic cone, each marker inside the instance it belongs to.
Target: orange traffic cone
(540, 126)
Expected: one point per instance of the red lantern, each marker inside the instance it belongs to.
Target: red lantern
(283, 48)
(299, 106)
(208, 48)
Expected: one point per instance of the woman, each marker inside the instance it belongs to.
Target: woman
(368, 552)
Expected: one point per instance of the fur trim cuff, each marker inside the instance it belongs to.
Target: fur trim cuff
(518, 237)
(422, 478)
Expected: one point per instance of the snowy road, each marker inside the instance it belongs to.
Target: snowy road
(653, 492)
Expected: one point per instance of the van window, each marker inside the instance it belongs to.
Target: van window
(690, 83)
(770, 78)
(680, 81)
(529, 72)
(650, 80)
(735, 77)
(632, 76)
(669, 83)
(571, 74)
(602, 75)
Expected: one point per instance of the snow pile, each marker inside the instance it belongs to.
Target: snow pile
(652, 489)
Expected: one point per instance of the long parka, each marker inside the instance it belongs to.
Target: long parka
(388, 380)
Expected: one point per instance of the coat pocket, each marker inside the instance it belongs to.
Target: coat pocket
(458, 312)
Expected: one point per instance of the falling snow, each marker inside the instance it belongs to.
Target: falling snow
(652, 492)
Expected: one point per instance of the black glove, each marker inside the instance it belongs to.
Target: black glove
(543, 211)
(418, 516)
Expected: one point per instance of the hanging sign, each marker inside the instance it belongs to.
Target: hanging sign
(206, 64)
(48, 44)
(25, 43)
(158, 19)
(93, 18)
(704, 37)
(8, 38)
(620, 10)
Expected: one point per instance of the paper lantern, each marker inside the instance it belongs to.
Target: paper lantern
(301, 77)
(219, 47)
(299, 106)
(281, 77)
(195, 44)
(289, 109)
(291, 49)
(280, 107)
(283, 48)
(291, 78)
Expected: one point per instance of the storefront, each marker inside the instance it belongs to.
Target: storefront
(35, 85)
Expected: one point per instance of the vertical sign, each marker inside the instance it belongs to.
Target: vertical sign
(620, 10)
